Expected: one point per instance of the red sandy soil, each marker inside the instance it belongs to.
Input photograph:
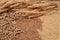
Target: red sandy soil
(29, 27)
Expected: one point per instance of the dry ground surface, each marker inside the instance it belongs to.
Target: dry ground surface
(51, 27)
(29, 20)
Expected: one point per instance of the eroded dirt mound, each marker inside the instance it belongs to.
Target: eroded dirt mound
(19, 20)
(15, 25)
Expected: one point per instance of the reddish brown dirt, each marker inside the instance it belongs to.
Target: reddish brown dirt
(29, 26)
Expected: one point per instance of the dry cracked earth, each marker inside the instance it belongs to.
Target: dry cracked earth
(29, 20)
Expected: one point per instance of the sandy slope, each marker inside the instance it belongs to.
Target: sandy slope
(51, 27)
